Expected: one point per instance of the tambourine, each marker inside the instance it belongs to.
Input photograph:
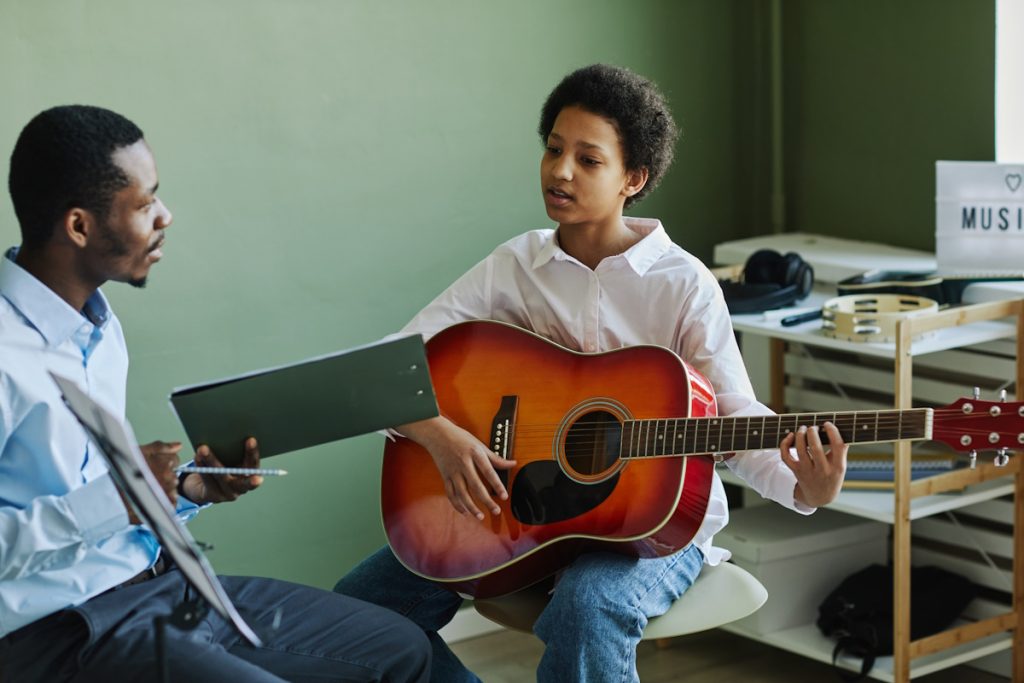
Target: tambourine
(872, 317)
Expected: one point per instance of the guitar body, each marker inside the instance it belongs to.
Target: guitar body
(558, 413)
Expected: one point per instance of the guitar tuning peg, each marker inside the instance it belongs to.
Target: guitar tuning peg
(1002, 457)
(1002, 395)
(973, 455)
(977, 393)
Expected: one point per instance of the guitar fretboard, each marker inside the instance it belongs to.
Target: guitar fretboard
(690, 436)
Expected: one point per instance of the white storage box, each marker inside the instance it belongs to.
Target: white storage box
(833, 258)
(799, 558)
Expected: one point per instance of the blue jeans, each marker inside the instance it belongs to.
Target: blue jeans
(591, 627)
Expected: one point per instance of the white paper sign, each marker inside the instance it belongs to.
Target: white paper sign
(979, 217)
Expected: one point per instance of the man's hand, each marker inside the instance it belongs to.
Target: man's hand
(218, 488)
(819, 473)
(162, 458)
(466, 465)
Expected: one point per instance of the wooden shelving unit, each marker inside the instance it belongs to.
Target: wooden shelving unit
(952, 328)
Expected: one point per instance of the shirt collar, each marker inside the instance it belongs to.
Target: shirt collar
(55, 319)
(640, 257)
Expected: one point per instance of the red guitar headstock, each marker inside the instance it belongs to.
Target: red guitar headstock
(971, 424)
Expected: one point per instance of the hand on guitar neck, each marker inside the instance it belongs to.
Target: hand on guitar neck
(819, 472)
(467, 466)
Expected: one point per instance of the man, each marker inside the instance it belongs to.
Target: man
(80, 580)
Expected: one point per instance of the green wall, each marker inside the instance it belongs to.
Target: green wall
(331, 166)
(875, 92)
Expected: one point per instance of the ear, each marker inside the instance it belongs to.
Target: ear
(635, 181)
(76, 225)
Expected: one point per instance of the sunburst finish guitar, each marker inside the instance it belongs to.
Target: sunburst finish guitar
(614, 452)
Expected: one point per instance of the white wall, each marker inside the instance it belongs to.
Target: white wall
(1009, 81)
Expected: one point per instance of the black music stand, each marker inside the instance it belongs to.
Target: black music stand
(119, 447)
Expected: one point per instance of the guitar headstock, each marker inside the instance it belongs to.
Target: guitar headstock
(971, 425)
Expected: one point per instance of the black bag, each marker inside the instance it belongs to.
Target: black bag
(859, 611)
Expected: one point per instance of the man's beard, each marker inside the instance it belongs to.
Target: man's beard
(116, 247)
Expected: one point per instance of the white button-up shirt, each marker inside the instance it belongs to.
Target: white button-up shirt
(653, 293)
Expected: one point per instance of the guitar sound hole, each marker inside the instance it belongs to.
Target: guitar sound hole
(592, 443)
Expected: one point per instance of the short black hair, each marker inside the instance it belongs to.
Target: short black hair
(632, 103)
(63, 159)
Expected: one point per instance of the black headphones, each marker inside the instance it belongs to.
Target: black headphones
(769, 280)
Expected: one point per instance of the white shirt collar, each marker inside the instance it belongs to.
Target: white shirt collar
(640, 257)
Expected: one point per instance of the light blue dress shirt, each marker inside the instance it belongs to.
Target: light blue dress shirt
(64, 532)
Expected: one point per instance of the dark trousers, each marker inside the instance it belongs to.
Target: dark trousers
(319, 636)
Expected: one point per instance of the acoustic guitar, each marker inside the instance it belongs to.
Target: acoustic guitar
(613, 450)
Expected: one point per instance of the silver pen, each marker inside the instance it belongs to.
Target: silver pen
(241, 471)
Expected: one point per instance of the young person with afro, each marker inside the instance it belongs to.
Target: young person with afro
(596, 282)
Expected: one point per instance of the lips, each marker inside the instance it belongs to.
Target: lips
(558, 196)
(156, 251)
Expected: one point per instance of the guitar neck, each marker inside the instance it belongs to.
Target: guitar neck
(692, 436)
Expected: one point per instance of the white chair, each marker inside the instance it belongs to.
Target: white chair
(721, 594)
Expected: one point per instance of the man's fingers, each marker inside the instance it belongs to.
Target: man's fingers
(251, 458)
(207, 457)
(154, 446)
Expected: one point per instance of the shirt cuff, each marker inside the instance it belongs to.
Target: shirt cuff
(791, 502)
(187, 508)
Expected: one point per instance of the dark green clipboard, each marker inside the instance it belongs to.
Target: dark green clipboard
(312, 402)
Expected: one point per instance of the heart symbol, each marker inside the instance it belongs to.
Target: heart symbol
(1013, 181)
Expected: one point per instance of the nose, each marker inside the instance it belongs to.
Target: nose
(163, 217)
(562, 167)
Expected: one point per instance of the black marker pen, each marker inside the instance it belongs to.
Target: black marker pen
(800, 318)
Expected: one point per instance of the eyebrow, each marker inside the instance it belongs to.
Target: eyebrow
(588, 145)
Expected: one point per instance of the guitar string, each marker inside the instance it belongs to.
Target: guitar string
(768, 440)
(726, 430)
(643, 433)
(887, 421)
(528, 434)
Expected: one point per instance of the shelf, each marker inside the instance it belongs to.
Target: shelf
(811, 334)
(808, 641)
(948, 329)
(878, 505)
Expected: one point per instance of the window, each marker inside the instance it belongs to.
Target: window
(1009, 81)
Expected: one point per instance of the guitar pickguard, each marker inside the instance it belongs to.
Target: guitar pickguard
(543, 494)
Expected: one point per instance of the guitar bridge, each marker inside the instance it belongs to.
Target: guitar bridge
(502, 430)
